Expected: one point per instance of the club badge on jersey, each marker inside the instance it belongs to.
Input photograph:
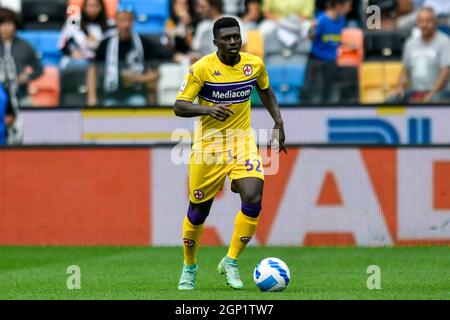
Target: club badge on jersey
(248, 70)
(198, 194)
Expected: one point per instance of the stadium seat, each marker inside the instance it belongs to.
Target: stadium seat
(255, 43)
(295, 75)
(151, 15)
(110, 6)
(149, 27)
(43, 14)
(51, 54)
(276, 73)
(377, 80)
(44, 90)
(171, 77)
(351, 53)
(393, 70)
(371, 83)
(372, 74)
(445, 29)
(45, 43)
(291, 97)
(73, 87)
(32, 37)
(443, 21)
(287, 81)
(383, 45)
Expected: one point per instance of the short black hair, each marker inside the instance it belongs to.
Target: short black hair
(225, 22)
(7, 15)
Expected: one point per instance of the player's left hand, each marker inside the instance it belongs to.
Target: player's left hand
(278, 138)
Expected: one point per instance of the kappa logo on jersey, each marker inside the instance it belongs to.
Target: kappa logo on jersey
(188, 242)
(198, 194)
(217, 73)
(246, 239)
(248, 70)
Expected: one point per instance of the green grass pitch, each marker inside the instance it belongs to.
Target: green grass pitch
(153, 273)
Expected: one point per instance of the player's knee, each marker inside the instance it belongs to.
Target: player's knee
(196, 217)
(197, 214)
(251, 210)
(251, 198)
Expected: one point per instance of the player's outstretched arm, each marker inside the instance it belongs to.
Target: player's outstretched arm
(187, 109)
(269, 100)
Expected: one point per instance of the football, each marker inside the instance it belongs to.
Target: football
(271, 275)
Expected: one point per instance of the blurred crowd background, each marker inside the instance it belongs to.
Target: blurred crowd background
(76, 53)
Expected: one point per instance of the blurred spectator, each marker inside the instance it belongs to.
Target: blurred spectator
(6, 114)
(234, 7)
(275, 10)
(79, 40)
(426, 62)
(179, 26)
(442, 10)
(322, 77)
(252, 15)
(19, 61)
(354, 17)
(408, 20)
(440, 7)
(250, 11)
(209, 11)
(129, 67)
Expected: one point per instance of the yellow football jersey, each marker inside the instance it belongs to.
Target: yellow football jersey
(213, 82)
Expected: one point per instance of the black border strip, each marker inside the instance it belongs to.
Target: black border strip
(282, 309)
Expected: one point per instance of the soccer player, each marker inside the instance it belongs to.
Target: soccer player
(224, 144)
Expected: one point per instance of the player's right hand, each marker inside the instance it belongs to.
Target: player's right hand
(220, 112)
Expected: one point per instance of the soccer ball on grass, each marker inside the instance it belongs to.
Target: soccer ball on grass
(271, 275)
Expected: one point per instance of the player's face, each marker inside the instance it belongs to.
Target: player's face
(229, 41)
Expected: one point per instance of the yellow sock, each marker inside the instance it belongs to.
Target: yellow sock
(244, 228)
(191, 236)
